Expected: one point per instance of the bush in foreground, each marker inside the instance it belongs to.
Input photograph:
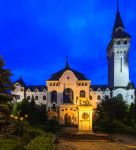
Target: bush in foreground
(44, 142)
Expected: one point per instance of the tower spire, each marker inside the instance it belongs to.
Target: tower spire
(117, 5)
(118, 21)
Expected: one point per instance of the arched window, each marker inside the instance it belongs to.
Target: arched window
(28, 97)
(119, 96)
(54, 106)
(36, 97)
(91, 98)
(118, 42)
(98, 97)
(67, 120)
(82, 93)
(68, 96)
(53, 96)
(44, 97)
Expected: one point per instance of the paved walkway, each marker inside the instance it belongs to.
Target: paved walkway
(125, 143)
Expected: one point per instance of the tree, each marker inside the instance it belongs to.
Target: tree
(131, 119)
(44, 142)
(111, 113)
(5, 82)
(4, 116)
(112, 109)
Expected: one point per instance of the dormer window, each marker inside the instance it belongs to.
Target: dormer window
(17, 84)
(68, 78)
(36, 91)
(125, 42)
(118, 42)
(44, 97)
(36, 97)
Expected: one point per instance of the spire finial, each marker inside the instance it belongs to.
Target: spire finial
(67, 65)
(117, 5)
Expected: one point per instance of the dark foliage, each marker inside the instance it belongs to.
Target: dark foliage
(5, 83)
(37, 114)
(112, 109)
(111, 114)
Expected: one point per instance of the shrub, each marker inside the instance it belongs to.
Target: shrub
(8, 144)
(44, 142)
(52, 126)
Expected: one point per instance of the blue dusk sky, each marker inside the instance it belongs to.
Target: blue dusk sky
(37, 35)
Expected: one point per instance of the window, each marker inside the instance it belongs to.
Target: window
(132, 96)
(117, 51)
(91, 98)
(124, 52)
(85, 84)
(82, 93)
(121, 64)
(125, 42)
(118, 42)
(68, 78)
(17, 97)
(79, 84)
(98, 97)
(120, 51)
(119, 96)
(17, 84)
(44, 97)
(36, 97)
(54, 106)
(53, 96)
(82, 84)
(68, 95)
(50, 84)
(28, 97)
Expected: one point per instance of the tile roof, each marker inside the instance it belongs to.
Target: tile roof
(21, 82)
(34, 87)
(102, 87)
(57, 76)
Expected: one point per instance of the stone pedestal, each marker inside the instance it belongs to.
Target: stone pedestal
(85, 118)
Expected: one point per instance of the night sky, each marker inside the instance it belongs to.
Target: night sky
(37, 35)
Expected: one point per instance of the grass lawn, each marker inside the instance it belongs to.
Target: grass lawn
(8, 144)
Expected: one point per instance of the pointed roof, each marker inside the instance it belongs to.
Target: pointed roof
(56, 76)
(118, 28)
(118, 21)
(20, 81)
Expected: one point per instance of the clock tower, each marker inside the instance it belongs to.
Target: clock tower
(117, 54)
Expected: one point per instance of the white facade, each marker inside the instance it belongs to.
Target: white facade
(118, 63)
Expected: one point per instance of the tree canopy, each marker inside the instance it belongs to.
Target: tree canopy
(5, 82)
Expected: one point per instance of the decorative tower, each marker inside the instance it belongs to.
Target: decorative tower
(117, 54)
